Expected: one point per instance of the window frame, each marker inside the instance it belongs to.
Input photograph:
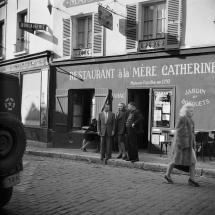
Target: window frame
(2, 41)
(154, 27)
(21, 34)
(75, 30)
(172, 108)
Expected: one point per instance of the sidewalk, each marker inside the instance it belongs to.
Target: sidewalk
(148, 161)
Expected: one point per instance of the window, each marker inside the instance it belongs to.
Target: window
(84, 32)
(35, 98)
(154, 21)
(162, 110)
(21, 37)
(81, 107)
(1, 38)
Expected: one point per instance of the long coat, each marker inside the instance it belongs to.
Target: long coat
(107, 128)
(184, 141)
(120, 122)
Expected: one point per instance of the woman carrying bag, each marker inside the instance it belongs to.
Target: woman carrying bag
(183, 152)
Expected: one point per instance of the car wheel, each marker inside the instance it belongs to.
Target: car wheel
(12, 142)
(5, 196)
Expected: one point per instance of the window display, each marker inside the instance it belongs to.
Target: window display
(162, 108)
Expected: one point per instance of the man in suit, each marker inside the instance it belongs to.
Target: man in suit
(120, 130)
(133, 125)
(106, 129)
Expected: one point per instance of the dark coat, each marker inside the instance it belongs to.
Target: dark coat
(106, 128)
(184, 141)
(120, 122)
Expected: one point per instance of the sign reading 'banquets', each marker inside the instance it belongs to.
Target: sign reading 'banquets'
(73, 3)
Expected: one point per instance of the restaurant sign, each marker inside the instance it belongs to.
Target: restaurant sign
(73, 3)
(32, 26)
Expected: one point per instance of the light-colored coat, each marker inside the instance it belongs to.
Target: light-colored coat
(184, 141)
(107, 128)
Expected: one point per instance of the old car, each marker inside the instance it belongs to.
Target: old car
(12, 136)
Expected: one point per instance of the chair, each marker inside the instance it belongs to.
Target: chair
(166, 139)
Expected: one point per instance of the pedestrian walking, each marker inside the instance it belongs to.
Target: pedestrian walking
(133, 126)
(106, 129)
(183, 152)
(120, 130)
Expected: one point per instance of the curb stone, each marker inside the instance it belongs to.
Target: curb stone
(156, 167)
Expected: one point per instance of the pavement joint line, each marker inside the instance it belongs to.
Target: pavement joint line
(156, 167)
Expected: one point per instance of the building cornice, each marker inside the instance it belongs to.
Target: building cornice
(46, 53)
(137, 56)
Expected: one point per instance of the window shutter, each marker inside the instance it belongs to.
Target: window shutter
(97, 37)
(174, 24)
(101, 97)
(131, 28)
(67, 37)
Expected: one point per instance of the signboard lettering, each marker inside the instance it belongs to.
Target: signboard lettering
(32, 26)
(147, 71)
(73, 3)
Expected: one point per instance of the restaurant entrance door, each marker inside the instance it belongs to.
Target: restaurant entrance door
(141, 98)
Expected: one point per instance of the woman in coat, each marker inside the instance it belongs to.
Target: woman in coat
(183, 153)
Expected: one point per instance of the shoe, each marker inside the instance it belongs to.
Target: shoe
(119, 156)
(193, 183)
(127, 159)
(135, 160)
(169, 180)
(124, 157)
(84, 150)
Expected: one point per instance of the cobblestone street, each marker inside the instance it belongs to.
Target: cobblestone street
(58, 186)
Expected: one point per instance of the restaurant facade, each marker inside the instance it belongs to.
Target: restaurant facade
(158, 82)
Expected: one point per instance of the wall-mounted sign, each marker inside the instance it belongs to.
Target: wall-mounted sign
(73, 3)
(32, 26)
(2, 3)
(105, 17)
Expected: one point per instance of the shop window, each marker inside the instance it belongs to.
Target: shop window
(31, 85)
(35, 98)
(21, 35)
(1, 39)
(162, 109)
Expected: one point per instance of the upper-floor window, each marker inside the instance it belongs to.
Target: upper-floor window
(1, 38)
(154, 21)
(82, 36)
(21, 35)
(84, 32)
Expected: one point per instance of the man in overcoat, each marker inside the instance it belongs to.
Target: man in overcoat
(133, 126)
(106, 129)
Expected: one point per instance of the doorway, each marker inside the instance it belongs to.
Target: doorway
(141, 98)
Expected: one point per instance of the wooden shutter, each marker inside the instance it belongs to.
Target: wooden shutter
(131, 28)
(67, 37)
(174, 24)
(61, 110)
(97, 37)
(101, 97)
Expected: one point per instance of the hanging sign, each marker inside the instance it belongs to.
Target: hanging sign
(105, 17)
(32, 26)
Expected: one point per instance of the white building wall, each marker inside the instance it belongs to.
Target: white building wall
(200, 23)
(37, 13)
